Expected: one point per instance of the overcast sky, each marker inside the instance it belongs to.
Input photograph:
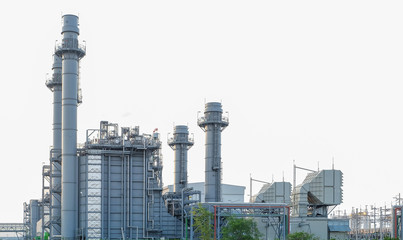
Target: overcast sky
(302, 80)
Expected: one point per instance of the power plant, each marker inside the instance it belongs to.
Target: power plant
(110, 186)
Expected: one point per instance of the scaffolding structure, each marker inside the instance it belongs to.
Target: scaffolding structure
(45, 203)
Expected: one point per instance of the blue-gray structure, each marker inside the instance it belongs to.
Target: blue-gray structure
(213, 123)
(275, 214)
(110, 187)
(34, 216)
(397, 223)
(180, 143)
(55, 85)
(71, 52)
(120, 188)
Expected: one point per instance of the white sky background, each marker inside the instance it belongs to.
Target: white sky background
(302, 80)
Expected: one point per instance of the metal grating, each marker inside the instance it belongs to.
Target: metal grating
(94, 196)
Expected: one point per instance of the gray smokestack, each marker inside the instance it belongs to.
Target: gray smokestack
(71, 52)
(213, 123)
(55, 85)
(180, 143)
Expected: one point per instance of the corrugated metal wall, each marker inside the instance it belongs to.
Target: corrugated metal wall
(120, 194)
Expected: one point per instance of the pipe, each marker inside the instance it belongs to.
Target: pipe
(123, 199)
(131, 197)
(109, 197)
(144, 188)
(71, 53)
(102, 196)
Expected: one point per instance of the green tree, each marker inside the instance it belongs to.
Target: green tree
(390, 238)
(301, 236)
(203, 222)
(240, 229)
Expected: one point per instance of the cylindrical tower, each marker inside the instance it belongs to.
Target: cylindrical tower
(213, 123)
(71, 52)
(34, 216)
(180, 143)
(55, 85)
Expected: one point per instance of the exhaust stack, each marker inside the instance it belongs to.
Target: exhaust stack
(55, 85)
(213, 123)
(181, 143)
(71, 52)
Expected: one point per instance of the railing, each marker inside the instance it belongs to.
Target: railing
(188, 140)
(71, 44)
(202, 120)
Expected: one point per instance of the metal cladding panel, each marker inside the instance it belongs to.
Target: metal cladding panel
(213, 107)
(329, 176)
(338, 178)
(279, 188)
(329, 195)
(122, 199)
(181, 129)
(277, 192)
(338, 193)
(70, 24)
(324, 186)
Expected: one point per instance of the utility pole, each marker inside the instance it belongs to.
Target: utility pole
(398, 199)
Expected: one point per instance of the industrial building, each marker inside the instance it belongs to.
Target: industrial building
(110, 186)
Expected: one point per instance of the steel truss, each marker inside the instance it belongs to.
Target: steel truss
(14, 227)
(276, 215)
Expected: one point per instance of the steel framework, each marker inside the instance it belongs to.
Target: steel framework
(15, 228)
(397, 222)
(276, 215)
(46, 199)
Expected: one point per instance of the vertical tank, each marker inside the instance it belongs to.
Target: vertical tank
(71, 52)
(34, 216)
(180, 143)
(55, 85)
(213, 123)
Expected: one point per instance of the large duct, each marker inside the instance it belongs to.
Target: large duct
(55, 85)
(71, 52)
(213, 123)
(180, 143)
(318, 194)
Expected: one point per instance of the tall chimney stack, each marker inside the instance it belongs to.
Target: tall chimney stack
(55, 85)
(71, 52)
(180, 143)
(213, 123)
